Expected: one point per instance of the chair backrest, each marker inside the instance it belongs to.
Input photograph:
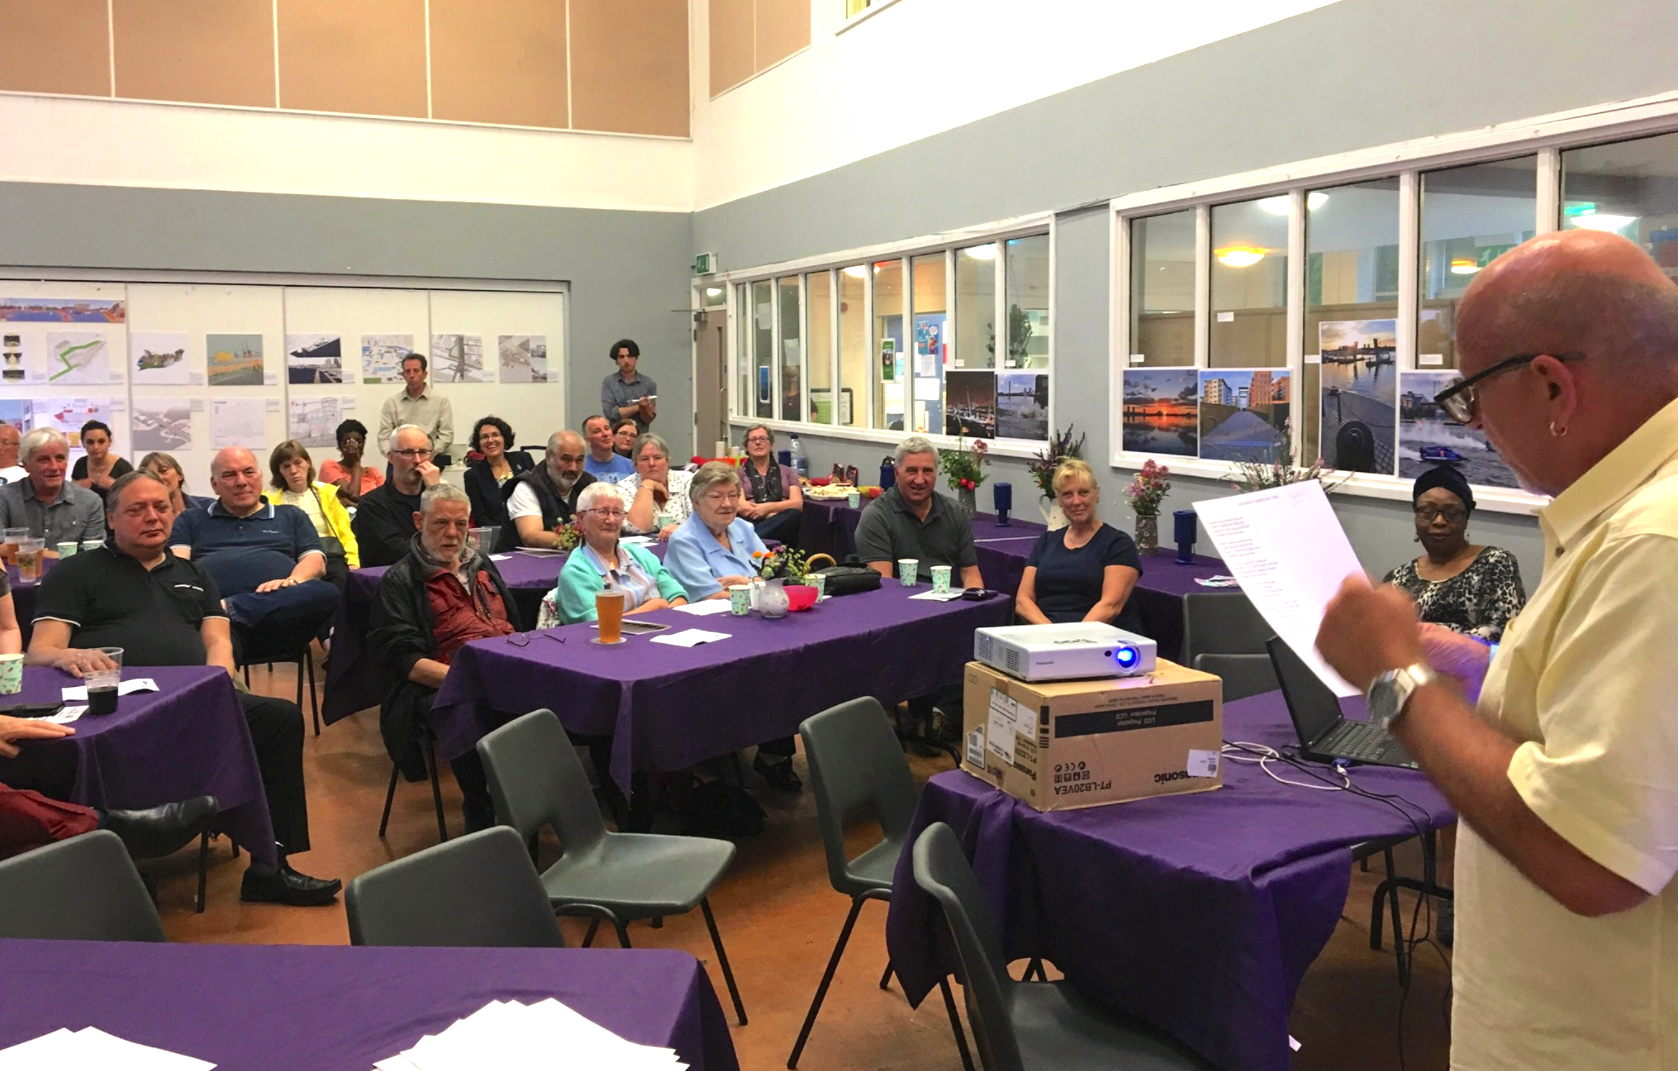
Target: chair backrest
(856, 762)
(1243, 674)
(536, 780)
(1223, 622)
(81, 889)
(476, 891)
(943, 872)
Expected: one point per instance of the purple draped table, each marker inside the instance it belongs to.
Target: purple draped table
(23, 598)
(830, 528)
(356, 679)
(188, 738)
(1198, 913)
(670, 707)
(284, 1007)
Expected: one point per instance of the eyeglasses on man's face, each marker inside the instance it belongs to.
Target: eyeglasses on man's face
(1460, 399)
(417, 453)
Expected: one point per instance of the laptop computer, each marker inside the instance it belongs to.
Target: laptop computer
(1325, 734)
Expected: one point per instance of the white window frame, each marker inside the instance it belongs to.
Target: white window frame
(946, 243)
(1546, 137)
(847, 22)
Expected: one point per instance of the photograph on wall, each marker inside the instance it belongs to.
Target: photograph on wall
(459, 359)
(970, 404)
(15, 411)
(233, 360)
(62, 310)
(78, 357)
(314, 421)
(159, 358)
(67, 415)
(20, 360)
(381, 357)
(162, 424)
(314, 358)
(1162, 411)
(1243, 413)
(1022, 405)
(239, 422)
(1427, 437)
(1359, 394)
(524, 358)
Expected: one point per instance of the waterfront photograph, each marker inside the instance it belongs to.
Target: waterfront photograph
(1359, 394)
(1022, 405)
(1243, 413)
(1426, 437)
(1162, 411)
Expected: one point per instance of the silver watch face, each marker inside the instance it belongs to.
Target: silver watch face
(1384, 699)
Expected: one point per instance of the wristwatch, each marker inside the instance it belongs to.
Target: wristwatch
(1391, 692)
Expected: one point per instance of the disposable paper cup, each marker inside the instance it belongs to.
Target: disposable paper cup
(11, 674)
(941, 579)
(819, 582)
(740, 599)
(66, 549)
(853, 500)
(662, 521)
(907, 570)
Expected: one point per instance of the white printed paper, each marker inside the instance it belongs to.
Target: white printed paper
(78, 692)
(1003, 721)
(1288, 551)
(238, 422)
(692, 637)
(705, 607)
(92, 1047)
(1202, 763)
(67, 715)
(933, 596)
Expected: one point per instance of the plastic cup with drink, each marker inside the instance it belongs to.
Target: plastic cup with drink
(9, 539)
(908, 569)
(102, 683)
(29, 554)
(608, 609)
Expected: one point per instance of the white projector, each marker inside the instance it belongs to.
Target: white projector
(1064, 652)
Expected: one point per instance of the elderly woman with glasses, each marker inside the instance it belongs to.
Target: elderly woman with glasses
(1466, 588)
(600, 561)
(654, 491)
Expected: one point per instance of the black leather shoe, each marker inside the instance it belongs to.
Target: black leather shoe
(159, 831)
(780, 775)
(287, 886)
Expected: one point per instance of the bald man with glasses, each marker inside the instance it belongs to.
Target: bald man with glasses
(384, 522)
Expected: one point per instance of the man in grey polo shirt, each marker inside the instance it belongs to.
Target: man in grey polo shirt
(51, 507)
(913, 521)
(626, 394)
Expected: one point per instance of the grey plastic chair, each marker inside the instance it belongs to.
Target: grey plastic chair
(1028, 1025)
(1223, 622)
(856, 762)
(536, 780)
(81, 889)
(477, 891)
(1242, 674)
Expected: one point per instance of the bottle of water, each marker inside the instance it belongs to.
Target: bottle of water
(800, 463)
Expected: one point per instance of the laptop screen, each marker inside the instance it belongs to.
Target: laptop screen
(1311, 704)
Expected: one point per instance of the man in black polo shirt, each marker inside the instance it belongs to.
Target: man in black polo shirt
(164, 610)
(914, 521)
(384, 522)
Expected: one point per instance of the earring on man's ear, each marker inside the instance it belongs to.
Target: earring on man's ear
(1554, 434)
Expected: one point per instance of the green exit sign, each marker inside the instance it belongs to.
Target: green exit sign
(705, 264)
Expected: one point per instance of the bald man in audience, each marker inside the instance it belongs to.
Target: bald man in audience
(384, 522)
(546, 496)
(1565, 774)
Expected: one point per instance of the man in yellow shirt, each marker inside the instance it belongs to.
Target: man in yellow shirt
(1566, 776)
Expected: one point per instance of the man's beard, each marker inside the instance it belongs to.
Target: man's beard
(562, 483)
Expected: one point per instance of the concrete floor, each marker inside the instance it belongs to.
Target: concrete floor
(779, 918)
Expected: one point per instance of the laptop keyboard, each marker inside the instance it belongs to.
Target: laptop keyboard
(1358, 741)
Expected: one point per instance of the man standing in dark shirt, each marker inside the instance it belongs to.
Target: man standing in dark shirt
(164, 610)
(384, 522)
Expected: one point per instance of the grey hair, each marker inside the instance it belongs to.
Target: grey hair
(765, 428)
(712, 474)
(40, 438)
(443, 492)
(410, 427)
(914, 444)
(594, 492)
(649, 438)
(557, 437)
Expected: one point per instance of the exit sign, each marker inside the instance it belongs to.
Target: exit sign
(705, 264)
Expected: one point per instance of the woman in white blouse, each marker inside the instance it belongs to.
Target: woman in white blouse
(654, 491)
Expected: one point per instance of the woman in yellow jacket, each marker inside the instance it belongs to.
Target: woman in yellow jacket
(294, 484)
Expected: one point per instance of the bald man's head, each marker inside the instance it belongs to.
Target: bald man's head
(566, 453)
(236, 480)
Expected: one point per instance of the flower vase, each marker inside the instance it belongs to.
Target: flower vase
(969, 504)
(1147, 534)
(773, 602)
(1052, 515)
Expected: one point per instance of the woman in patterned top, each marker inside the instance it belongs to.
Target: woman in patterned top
(1466, 588)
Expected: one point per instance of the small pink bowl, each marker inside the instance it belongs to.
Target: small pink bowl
(800, 597)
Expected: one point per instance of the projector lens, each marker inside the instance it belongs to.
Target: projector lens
(1126, 657)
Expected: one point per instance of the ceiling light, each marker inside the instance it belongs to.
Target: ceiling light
(1278, 206)
(712, 291)
(1464, 266)
(857, 271)
(1602, 221)
(981, 252)
(1239, 256)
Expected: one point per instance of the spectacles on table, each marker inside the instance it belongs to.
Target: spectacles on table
(1460, 399)
(522, 639)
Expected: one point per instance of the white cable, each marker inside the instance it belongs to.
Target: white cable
(1234, 750)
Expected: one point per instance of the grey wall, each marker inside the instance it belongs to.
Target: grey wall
(1355, 74)
(627, 270)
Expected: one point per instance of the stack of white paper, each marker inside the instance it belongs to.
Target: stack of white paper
(92, 1047)
(509, 1034)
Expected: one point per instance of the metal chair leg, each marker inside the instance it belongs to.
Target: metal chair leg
(1034, 966)
(588, 938)
(314, 697)
(955, 1024)
(390, 796)
(827, 980)
(722, 959)
(623, 932)
(436, 788)
(203, 867)
(885, 979)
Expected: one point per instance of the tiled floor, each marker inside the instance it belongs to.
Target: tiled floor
(779, 919)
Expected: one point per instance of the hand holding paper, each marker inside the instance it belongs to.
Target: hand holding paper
(1367, 631)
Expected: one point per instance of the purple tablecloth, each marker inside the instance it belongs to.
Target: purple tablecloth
(189, 738)
(23, 598)
(670, 707)
(830, 527)
(1198, 913)
(286, 1007)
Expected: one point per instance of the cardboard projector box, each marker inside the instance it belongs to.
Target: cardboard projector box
(1063, 744)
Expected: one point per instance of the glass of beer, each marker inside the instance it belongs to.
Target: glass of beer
(9, 539)
(608, 607)
(29, 553)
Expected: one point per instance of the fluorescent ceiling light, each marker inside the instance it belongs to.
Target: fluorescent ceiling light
(1278, 206)
(857, 271)
(981, 252)
(712, 291)
(1239, 256)
(1602, 221)
(1464, 266)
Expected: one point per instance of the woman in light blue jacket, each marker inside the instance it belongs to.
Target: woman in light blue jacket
(646, 584)
(714, 547)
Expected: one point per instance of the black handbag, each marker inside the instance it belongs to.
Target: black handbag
(848, 577)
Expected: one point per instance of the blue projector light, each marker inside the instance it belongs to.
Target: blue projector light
(1126, 657)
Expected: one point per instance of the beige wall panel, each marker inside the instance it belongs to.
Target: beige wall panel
(629, 66)
(365, 56)
(55, 46)
(499, 63)
(783, 27)
(732, 58)
(208, 51)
